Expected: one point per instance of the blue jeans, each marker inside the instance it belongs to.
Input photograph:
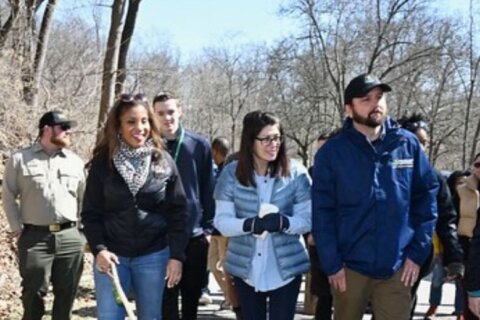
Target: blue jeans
(280, 303)
(438, 275)
(147, 276)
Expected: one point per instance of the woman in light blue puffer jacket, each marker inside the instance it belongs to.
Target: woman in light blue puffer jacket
(263, 204)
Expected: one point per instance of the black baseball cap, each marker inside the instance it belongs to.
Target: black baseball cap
(361, 85)
(53, 118)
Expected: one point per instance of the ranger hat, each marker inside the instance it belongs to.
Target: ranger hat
(53, 118)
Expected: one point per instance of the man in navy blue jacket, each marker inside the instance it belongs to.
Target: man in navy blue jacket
(374, 207)
(193, 157)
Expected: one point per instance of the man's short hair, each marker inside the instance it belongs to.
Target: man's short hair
(164, 96)
(221, 145)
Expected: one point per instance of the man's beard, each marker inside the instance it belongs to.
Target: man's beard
(370, 121)
(60, 142)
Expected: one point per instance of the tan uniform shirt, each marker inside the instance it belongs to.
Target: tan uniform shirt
(42, 189)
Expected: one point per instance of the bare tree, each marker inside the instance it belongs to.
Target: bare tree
(301, 96)
(353, 37)
(31, 89)
(133, 6)
(6, 27)
(474, 68)
(110, 62)
(237, 79)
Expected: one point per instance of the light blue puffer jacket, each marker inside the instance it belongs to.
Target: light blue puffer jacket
(288, 191)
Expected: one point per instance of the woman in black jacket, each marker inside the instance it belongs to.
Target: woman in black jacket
(134, 211)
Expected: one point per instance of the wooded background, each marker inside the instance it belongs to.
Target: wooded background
(79, 65)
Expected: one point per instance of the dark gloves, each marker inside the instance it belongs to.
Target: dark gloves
(253, 225)
(275, 222)
(271, 223)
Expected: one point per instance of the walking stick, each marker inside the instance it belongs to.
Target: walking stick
(119, 291)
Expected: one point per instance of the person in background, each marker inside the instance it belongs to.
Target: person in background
(321, 139)
(447, 252)
(218, 243)
(374, 207)
(42, 192)
(454, 180)
(263, 206)
(319, 285)
(220, 152)
(469, 231)
(193, 156)
(134, 211)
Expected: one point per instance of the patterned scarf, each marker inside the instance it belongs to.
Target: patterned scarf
(133, 164)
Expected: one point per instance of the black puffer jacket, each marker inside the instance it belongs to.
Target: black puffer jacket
(131, 226)
(446, 226)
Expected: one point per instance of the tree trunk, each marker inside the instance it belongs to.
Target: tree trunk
(26, 44)
(7, 26)
(111, 60)
(127, 34)
(474, 64)
(40, 53)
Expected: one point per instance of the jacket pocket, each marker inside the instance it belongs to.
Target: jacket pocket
(34, 173)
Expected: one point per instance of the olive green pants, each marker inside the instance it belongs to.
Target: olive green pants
(46, 257)
(390, 298)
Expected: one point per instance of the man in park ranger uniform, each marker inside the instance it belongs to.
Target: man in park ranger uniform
(42, 191)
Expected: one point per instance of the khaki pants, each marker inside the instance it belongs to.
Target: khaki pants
(390, 297)
(216, 260)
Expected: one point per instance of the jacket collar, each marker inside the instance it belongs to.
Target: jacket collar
(471, 182)
(37, 147)
(388, 126)
(390, 131)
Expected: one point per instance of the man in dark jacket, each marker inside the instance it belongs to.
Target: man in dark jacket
(193, 157)
(374, 207)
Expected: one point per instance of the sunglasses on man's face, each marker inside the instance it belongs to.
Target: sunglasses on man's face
(476, 165)
(65, 126)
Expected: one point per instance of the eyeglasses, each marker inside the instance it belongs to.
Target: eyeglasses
(476, 165)
(268, 140)
(127, 97)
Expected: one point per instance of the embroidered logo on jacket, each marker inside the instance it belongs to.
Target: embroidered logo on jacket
(402, 163)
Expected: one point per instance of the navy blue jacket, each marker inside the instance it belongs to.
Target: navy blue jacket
(195, 165)
(374, 204)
